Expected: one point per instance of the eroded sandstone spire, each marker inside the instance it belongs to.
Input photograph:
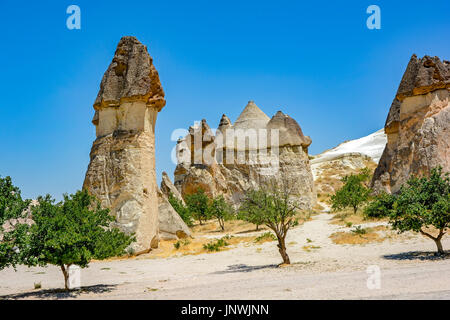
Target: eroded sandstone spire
(418, 125)
(121, 173)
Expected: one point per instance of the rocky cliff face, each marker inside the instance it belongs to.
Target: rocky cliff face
(121, 172)
(245, 155)
(417, 126)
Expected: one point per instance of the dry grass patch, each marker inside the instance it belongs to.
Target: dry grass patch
(310, 248)
(173, 248)
(231, 227)
(348, 218)
(360, 235)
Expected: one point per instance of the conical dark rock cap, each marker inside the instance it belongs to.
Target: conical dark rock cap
(131, 76)
(290, 133)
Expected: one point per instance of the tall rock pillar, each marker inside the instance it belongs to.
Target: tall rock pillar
(417, 126)
(121, 172)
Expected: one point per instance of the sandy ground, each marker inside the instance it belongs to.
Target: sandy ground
(408, 269)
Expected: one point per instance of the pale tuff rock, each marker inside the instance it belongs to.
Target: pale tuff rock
(121, 173)
(243, 156)
(251, 117)
(371, 146)
(417, 125)
(168, 188)
(347, 158)
(225, 123)
(171, 226)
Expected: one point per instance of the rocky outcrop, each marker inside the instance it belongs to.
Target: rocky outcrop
(347, 158)
(168, 188)
(121, 172)
(417, 126)
(244, 155)
(171, 226)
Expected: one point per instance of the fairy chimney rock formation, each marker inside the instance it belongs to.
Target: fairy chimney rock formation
(244, 155)
(121, 172)
(417, 125)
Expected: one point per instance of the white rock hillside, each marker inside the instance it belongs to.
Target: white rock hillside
(348, 157)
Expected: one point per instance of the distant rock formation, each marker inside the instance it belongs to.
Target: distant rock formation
(121, 172)
(167, 188)
(349, 157)
(417, 126)
(245, 155)
(171, 226)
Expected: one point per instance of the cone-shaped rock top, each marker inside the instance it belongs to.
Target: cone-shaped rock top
(290, 133)
(252, 117)
(224, 123)
(131, 76)
(424, 75)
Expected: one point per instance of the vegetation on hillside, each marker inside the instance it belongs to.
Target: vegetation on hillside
(354, 193)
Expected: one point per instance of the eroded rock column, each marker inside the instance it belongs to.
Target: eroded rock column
(417, 126)
(121, 172)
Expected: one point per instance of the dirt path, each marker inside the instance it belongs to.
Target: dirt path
(249, 271)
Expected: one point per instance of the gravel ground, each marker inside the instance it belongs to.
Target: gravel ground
(408, 270)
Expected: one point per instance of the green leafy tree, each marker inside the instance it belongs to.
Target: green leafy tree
(220, 210)
(381, 206)
(421, 203)
(198, 205)
(12, 207)
(354, 193)
(250, 214)
(181, 209)
(273, 206)
(73, 232)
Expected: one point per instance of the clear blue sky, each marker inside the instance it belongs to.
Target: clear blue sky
(315, 60)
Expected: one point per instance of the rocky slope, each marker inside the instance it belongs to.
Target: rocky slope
(417, 125)
(347, 158)
(251, 152)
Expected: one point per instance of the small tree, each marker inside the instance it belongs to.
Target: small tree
(198, 205)
(73, 232)
(12, 207)
(220, 210)
(273, 206)
(353, 193)
(420, 203)
(181, 209)
(250, 214)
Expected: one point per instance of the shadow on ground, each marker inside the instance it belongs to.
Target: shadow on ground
(417, 255)
(251, 231)
(59, 293)
(235, 268)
